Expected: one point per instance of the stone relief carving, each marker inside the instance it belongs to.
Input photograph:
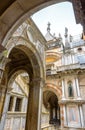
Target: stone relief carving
(40, 48)
(31, 35)
(73, 115)
(20, 30)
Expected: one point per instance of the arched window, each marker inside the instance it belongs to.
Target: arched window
(70, 89)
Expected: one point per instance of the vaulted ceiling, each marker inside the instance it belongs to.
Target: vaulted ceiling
(4, 4)
(19, 61)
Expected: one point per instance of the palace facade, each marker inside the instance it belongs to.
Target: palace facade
(57, 78)
(63, 102)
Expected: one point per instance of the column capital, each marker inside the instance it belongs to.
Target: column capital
(37, 80)
(76, 76)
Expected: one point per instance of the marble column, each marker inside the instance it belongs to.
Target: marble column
(63, 89)
(2, 98)
(77, 87)
(14, 103)
(65, 118)
(63, 60)
(61, 115)
(33, 119)
(81, 116)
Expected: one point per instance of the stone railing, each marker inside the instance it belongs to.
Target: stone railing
(65, 67)
(77, 37)
(77, 43)
(68, 67)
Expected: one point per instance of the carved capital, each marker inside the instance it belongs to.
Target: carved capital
(37, 82)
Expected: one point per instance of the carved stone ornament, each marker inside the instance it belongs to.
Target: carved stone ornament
(31, 35)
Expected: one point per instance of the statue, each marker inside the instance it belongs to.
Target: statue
(70, 90)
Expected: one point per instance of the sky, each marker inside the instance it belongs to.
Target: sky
(60, 15)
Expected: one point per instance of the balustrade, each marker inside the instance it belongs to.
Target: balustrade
(64, 68)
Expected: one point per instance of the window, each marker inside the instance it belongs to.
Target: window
(10, 103)
(70, 89)
(18, 104)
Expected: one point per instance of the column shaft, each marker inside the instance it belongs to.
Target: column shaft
(63, 89)
(81, 114)
(65, 120)
(33, 118)
(77, 86)
(2, 98)
(62, 115)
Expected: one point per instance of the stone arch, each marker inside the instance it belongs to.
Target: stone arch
(20, 10)
(51, 91)
(13, 77)
(53, 88)
(29, 48)
(26, 58)
(51, 102)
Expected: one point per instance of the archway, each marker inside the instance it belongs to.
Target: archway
(23, 58)
(50, 100)
(16, 101)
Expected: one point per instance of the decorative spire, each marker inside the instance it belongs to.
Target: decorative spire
(60, 37)
(70, 38)
(66, 38)
(48, 28)
(66, 32)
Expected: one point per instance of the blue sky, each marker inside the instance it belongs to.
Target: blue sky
(60, 16)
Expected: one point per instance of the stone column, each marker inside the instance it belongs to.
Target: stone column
(81, 116)
(63, 60)
(2, 98)
(65, 115)
(33, 119)
(77, 87)
(14, 103)
(61, 115)
(63, 89)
